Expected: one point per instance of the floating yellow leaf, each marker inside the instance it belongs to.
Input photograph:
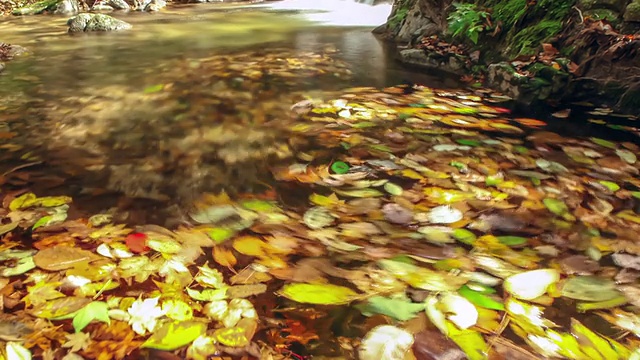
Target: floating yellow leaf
(30, 200)
(224, 257)
(249, 245)
(323, 294)
(174, 335)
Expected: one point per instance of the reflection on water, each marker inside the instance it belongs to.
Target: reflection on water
(338, 12)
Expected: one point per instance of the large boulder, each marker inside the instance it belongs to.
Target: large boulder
(96, 22)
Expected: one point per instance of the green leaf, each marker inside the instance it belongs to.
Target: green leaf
(340, 167)
(399, 309)
(468, 142)
(603, 142)
(613, 187)
(512, 240)
(174, 335)
(97, 310)
(153, 89)
(220, 235)
(558, 207)
(321, 294)
(464, 236)
(480, 299)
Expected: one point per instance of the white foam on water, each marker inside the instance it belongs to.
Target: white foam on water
(336, 12)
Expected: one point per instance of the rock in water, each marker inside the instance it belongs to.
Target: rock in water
(119, 4)
(96, 22)
(155, 5)
(36, 8)
(67, 7)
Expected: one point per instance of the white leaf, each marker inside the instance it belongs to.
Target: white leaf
(385, 342)
(16, 351)
(444, 215)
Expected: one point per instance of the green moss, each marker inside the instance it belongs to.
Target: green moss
(509, 12)
(528, 40)
(400, 14)
(36, 8)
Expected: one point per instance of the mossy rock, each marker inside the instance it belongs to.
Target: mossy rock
(37, 8)
(617, 5)
(96, 22)
(632, 13)
(603, 14)
(526, 25)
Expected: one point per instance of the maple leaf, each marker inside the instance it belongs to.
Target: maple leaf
(144, 315)
(175, 272)
(41, 292)
(209, 277)
(77, 341)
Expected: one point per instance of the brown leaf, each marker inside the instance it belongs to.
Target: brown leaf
(62, 257)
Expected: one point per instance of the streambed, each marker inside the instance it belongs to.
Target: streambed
(323, 177)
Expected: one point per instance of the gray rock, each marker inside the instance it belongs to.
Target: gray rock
(421, 58)
(415, 24)
(504, 78)
(96, 22)
(602, 4)
(67, 7)
(119, 4)
(102, 7)
(155, 5)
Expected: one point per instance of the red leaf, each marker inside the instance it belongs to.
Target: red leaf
(137, 242)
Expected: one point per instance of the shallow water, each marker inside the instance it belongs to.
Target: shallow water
(80, 104)
(84, 93)
(199, 99)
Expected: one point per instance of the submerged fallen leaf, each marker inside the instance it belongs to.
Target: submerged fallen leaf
(62, 257)
(385, 342)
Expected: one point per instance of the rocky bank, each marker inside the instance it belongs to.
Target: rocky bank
(542, 50)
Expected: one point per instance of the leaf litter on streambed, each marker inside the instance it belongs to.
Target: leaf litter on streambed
(436, 227)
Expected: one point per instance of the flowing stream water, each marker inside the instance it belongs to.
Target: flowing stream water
(82, 96)
(80, 108)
